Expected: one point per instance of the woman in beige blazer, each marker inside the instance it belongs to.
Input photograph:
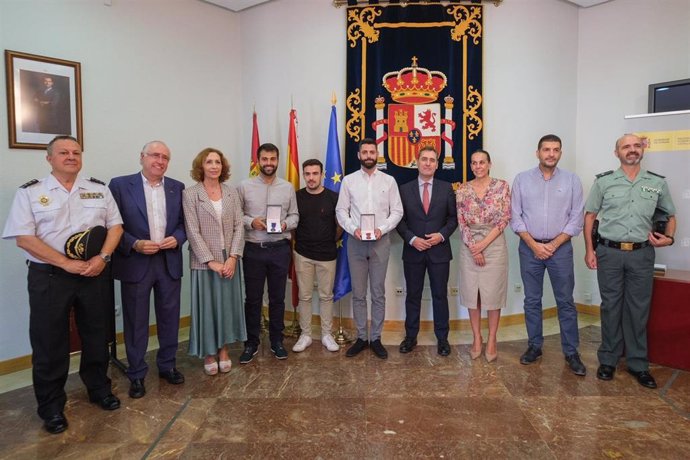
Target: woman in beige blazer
(213, 219)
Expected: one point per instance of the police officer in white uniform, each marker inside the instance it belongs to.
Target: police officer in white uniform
(44, 214)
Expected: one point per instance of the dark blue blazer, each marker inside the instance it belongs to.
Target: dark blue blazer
(442, 218)
(128, 191)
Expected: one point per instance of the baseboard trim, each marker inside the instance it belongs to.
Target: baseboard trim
(24, 362)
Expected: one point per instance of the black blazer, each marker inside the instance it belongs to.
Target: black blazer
(442, 218)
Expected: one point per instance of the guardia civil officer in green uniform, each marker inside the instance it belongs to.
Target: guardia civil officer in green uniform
(624, 202)
(45, 216)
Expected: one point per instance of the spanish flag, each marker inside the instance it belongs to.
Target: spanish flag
(293, 178)
(292, 156)
(254, 162)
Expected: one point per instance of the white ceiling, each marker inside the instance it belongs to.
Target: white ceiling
(236, 5)
(239, 5)
(587, 3)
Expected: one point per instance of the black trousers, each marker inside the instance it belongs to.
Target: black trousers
(265, 265)
(414, 282)
(52, 292)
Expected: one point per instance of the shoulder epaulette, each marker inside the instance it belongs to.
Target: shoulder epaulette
(604, 174)
(655, 174)
(29, 184)
(96, 181)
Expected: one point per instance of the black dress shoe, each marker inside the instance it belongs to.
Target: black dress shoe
(408, 344)
(55, 424)
(644, 378)
(605, 372)
(378, 349)
(530, 356)
(173, 376)
(576, 365)
(357, 348)
(443, 348)
(137, 389)
(108, 402)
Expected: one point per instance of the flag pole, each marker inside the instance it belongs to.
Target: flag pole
(341, 336)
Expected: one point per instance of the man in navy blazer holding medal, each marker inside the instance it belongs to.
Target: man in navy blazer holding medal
(365, 195)
(149, 257)
(430, 218)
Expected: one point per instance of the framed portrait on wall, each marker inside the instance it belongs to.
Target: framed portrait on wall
(43, 99)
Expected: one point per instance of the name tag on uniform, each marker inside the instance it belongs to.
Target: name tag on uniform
(91, 195)
(651, 189)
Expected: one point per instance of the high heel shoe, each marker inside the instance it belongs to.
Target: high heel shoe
(476, 354)
(225, 366)
(211, 368)
(490, 357)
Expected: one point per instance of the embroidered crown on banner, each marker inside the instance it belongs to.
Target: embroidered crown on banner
(414, 85)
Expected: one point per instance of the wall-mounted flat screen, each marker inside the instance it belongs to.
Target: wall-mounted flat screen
(669, 96)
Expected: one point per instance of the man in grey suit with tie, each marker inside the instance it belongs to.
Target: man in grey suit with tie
(429, 218)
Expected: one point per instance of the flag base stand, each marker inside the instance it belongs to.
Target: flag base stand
(294, 330)
(264, 323)
(341, 337)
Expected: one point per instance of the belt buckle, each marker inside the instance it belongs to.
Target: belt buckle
(627, 246)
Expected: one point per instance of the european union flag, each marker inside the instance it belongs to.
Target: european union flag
(334, 176)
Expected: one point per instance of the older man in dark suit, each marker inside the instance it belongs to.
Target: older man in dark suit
(429, 218)
(149, 257)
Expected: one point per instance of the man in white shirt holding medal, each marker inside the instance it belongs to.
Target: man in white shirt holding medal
(365, 194)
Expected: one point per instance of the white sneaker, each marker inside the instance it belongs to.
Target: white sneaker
(329, 343)
(303, 342)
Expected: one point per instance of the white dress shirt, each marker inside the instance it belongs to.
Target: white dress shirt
(155, 208)
(361, 193)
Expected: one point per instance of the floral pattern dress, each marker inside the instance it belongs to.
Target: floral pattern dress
(484, 286)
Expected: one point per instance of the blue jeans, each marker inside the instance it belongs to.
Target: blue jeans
(561, 274)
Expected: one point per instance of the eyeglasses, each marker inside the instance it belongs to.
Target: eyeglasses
(158, 156)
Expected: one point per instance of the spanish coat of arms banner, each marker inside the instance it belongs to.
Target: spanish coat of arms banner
(414, 78)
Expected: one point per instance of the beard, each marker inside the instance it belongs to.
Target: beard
(368, 163)
(267, 170)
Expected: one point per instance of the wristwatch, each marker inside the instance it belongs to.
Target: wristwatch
(106, 257)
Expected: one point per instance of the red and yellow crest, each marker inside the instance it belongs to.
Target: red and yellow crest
(415, 121)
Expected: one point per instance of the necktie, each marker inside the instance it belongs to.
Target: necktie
(425, 198)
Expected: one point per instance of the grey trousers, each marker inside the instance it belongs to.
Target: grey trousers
(625, 284)
(368, 264)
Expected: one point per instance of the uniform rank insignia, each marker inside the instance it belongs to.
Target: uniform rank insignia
(29, 184)
(91, 195)
(44, 200)
(604, 174)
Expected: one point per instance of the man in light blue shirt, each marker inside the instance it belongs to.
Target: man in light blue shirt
(547, 208)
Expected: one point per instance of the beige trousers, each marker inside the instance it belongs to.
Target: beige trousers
(324, 272)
